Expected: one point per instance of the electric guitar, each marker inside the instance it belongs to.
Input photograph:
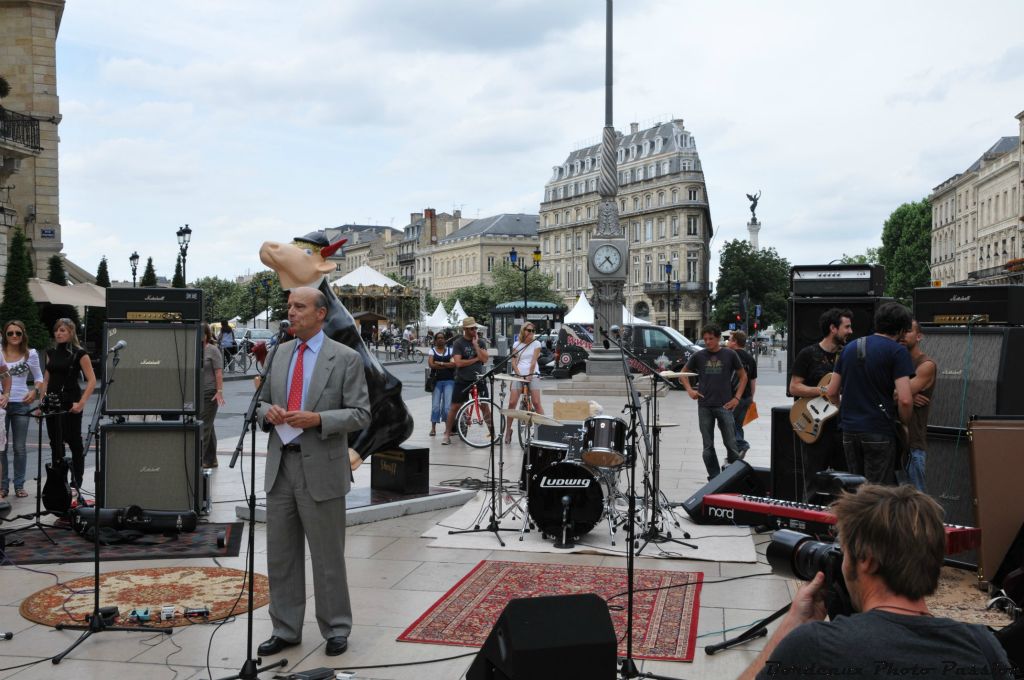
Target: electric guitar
(808, 414)
(56, 493)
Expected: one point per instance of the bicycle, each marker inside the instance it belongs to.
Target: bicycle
(473, 421)
(239, 361)
(524, 403)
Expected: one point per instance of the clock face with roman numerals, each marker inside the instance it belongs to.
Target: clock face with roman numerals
(607, 259)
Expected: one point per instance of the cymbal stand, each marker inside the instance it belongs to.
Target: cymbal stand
(95, 623)
(34, 516)
(493, 525)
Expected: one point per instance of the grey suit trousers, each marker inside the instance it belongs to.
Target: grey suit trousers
(292, 519)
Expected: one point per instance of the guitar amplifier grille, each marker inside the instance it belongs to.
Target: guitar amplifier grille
(158, 370)
(153, 465)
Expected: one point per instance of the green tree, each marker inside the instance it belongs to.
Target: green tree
(478, 301)
(5, 87)
(51, 312)
(18, 302)
(906, 249)
(224, 299)
(179, 280)
(761, 273)
(869, 256)
(508, 285)
(263, 287)
(57, 274)
(149, 275)
(95, 317)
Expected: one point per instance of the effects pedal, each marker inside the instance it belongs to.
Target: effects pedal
(167, 612)
(139, 615)
(197, 612)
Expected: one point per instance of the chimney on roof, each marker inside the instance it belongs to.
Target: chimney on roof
(414, 217)
(457, 215)
(634, 128)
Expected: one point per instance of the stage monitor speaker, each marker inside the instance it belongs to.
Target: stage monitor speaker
(997, 468)
(787, 472)
(947, 473)
(805, 313)
(737, 477)
(153, 465)
(549, 638)
(979, 371)
(157, 370)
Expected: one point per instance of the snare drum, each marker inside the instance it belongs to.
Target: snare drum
(604, 441)
(580, 483)
(542, 455)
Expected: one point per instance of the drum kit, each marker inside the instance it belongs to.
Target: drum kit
(566, 488)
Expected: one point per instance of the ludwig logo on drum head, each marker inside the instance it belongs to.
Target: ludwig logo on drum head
(546, 483)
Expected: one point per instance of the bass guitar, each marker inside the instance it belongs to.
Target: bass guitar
(56, 494)
(808, 414)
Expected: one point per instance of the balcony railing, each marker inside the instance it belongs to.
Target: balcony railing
(662, 287)
(987, 272)
(17, 128)
(406, 258)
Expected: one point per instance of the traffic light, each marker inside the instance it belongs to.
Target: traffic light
(739, 317)
(755, 324)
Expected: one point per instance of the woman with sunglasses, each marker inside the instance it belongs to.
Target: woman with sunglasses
(65, 361)
(17, 399)
(526, 353)
(443, 366)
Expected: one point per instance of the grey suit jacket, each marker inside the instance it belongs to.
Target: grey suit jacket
(337, 391)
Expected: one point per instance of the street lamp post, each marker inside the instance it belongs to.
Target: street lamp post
(266, 297)
(668, 291)
(513, 257)
(253, 290)
(184, 236)
(134, 260)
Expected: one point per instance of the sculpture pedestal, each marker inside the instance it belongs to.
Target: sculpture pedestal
(753, 226)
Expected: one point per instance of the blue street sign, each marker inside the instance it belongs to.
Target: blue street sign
(757, 311)
(732, 326)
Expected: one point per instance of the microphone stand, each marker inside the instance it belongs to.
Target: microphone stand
(628, 668)
(492, 525)
(249, 668)
(96, 624)
(36, 524)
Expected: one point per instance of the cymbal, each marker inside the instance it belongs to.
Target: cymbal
(529, 417)
(676, 374)
(510, 378)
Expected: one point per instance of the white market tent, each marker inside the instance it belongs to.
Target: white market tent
(583, 312)
(458, 313)
(437, 320)
(365, 276)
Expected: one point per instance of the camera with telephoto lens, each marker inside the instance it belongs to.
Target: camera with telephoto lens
(792, 554)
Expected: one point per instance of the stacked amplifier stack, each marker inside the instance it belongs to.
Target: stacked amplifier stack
(153, 464)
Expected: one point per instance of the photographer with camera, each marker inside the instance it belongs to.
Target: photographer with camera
(892, 544)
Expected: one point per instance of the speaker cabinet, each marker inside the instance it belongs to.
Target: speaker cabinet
(948, 473)
(804, 314)
(549, 638)
(787, 473)
(153, 465)
(997, 468)
(978, 372)
(157, 371)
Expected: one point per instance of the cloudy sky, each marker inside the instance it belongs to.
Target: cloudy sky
(253, 120)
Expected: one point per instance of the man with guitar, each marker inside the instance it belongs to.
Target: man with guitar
(921, 386)
(812, 370)
(868, 373)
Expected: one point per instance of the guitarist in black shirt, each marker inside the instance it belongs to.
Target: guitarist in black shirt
(812, 363)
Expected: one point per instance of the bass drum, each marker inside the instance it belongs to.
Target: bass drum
(567, 479)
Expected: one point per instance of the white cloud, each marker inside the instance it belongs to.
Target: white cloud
(251, 121)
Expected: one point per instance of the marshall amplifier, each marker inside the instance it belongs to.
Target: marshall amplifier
(154, 304)
(157, 368)
(960, 305)
(153, 465)
(406, 471)
(838, 280)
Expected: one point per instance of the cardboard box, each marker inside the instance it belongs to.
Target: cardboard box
(571, 410)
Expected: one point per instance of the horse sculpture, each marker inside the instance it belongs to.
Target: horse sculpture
(303, 262)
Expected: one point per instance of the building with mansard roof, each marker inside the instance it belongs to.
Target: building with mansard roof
(664, 211)
(978, 218)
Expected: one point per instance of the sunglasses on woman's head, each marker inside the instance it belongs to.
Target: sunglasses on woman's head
(14, 334)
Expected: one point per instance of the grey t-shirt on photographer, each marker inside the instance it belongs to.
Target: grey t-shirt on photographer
(878, 644)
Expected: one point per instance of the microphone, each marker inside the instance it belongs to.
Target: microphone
(121, 344)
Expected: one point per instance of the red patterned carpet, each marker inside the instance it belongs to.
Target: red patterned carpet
(664, 618)
(217, 588)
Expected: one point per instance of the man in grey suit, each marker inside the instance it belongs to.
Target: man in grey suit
(315, 395)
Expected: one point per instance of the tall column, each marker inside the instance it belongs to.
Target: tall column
(753, 226)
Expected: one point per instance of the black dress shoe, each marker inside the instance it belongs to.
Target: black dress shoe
(336, 645)
(274, 646)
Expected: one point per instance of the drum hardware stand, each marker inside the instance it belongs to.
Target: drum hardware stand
(34, 516)
(249, 670)
(628, 667)
(493, 525)
(565, 540)
(95, 622)
(531, 418)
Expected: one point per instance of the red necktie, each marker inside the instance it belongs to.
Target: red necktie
(295, 390)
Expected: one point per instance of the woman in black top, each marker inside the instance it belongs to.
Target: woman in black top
(64, 363)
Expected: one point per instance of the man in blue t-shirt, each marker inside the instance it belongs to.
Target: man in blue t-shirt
(868, 372)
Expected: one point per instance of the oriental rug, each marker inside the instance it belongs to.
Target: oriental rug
(665, 605)
(223, 591)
